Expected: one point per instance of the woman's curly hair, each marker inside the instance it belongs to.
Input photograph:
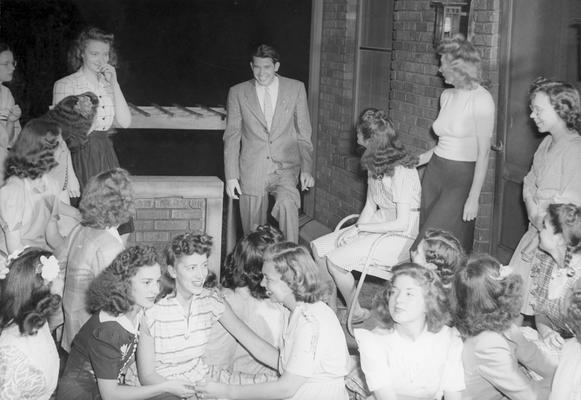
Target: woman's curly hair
(298, 270)
(25, 297)
(108, 200)
(182, 245)
(485, 301)
(564, 98)
(110, 291)
(75, 56)
(437, 303)
(445, 252)
(574, 310)
(75, 115)
(465, 59)
(32, 155)
(243, 267)
(566, 219)
(384, 151)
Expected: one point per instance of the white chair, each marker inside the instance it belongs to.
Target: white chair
(369, 268)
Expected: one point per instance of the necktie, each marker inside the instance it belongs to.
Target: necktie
(268, 111)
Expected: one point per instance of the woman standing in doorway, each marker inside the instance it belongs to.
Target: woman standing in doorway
(457, 165)
(555, 176)
(93, 58)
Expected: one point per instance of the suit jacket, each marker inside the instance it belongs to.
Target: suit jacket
(491, 367)
(248, 145)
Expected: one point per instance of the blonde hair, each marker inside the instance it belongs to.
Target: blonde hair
(298, 270)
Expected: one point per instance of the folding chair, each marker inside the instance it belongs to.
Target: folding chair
(379, 271)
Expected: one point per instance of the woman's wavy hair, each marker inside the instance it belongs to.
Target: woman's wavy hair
(108, 200)
(574, 310)
(437, 303)
(75, 56)
(384, 150)
(243, 267)
(298, 270)
(566, 219)
(186, 244)
(32, 154)
(25, 297)
(564, 98)
(465, 59)
(75, 115)
(485, 301)
(4, 47)
(110, 291)
(443, 250)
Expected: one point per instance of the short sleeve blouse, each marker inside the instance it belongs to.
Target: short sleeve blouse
(27, 205)
(422, 368)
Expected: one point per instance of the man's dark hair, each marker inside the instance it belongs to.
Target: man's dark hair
(266, 51)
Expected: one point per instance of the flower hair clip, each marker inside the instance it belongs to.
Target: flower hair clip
(50, 268)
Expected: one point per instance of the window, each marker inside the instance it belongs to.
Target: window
(373, 54)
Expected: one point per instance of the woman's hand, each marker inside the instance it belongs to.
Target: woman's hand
(109, 73)
(179, 387)
(212, 390)
(347, 236)
(15, 113)
(470, 209)
(553, 340)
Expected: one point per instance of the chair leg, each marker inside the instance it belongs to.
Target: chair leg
(352, 302)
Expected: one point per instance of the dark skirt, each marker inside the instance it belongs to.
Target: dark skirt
(96, 156)
(445, 188)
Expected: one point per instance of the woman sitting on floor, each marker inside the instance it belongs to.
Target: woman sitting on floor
(551, 281)
(29, 362)
(313, 357)
(105, 346)
(417, 356)
(249, 301)
(392, 205)
(488, 305)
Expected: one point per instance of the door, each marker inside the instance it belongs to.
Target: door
(539, 37)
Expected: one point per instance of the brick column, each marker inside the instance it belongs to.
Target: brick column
(169, 205)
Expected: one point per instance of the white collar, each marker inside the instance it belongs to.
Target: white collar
(113, 231)
(122, 320)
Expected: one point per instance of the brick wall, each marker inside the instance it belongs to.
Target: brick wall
(340, 185)
(413, 102)
(169, 205)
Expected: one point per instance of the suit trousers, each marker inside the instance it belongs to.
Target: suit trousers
(282, 184)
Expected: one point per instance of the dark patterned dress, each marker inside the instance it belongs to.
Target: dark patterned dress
(103, 349)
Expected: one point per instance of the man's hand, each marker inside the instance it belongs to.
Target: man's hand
(233, 186)
(307, 181)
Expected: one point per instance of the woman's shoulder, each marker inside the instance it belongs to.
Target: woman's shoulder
(68, 79)
(12, 191)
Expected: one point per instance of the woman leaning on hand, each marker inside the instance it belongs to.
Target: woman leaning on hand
(457, 164)
(93, 58)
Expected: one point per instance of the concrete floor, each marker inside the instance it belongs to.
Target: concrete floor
(371, 286)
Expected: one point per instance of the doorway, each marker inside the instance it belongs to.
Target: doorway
(539, 38)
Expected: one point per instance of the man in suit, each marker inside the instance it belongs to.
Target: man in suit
(267, 145)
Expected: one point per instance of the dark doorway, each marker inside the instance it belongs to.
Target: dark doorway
(170, 51)
(539, 38)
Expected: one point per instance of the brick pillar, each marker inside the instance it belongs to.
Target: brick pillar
(169, 205)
